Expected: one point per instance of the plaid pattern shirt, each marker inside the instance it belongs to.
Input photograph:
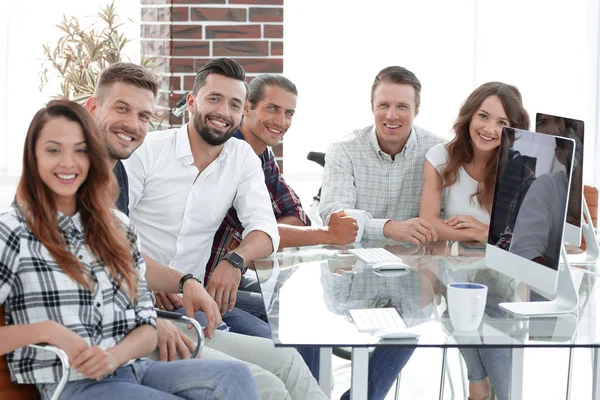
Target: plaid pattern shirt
(285, 203)
(358, 174)
(34, 289)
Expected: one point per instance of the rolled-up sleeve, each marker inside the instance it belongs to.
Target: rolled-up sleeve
(252, 201)
(339, 190)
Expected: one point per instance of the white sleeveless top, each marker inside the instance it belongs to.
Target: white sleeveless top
(456, 199)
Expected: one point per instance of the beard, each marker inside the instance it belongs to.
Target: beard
(212, 136)
(114, 151)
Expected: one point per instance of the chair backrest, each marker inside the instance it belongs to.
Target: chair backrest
(590, 194)
(8, 389)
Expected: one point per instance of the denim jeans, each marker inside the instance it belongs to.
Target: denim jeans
(494, 363)
(249, 297)
(385, 364)
(238, 321)
(144, 379)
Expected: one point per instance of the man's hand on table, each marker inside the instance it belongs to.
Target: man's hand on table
(416, 231)
(341, 229)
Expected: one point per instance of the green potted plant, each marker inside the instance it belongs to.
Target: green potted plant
(82, 52)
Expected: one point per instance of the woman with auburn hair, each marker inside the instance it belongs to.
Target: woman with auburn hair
(459, 179)
(71, 275)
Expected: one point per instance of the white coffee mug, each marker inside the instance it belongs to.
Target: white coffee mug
(360, 216)
(466, 304)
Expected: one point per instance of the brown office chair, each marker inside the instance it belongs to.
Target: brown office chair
(591, 198)
(9, 389)
(14, 391)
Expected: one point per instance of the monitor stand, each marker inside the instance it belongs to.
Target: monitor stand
(566, 300)
(590, 255)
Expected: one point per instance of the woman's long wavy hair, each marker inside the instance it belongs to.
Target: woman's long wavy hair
(460, 148)
(104, 234)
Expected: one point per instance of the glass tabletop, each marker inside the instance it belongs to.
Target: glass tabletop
(310, 291)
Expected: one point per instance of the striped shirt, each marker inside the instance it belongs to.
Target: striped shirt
(34, 288)
(358, 174)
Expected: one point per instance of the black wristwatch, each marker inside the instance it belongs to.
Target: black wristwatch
(234, 259)
(185, 278)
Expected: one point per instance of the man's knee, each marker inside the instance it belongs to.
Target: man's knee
(270, 387)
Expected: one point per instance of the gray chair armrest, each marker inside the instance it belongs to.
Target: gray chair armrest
(66, 367)
(172, 316)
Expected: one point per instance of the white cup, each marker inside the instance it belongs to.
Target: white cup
(466, 304)
(360, 216)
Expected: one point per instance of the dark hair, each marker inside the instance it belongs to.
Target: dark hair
(95, 198)
(220, 66)
(460, 148)
(257, 86)
(398, 75)
(130, 73)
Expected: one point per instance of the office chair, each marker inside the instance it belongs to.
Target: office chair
(14, 391)
(319, 158)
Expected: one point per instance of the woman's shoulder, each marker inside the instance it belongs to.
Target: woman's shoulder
(11, 222)
(437, 155)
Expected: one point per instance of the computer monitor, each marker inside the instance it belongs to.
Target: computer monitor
(574, 129)
(529, 249)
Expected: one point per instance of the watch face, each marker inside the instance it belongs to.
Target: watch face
(236, 260)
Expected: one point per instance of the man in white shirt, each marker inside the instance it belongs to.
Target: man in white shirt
(183, 181)
(122, 106)
(379, 168)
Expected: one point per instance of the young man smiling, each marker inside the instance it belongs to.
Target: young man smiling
(122, 106)
(268, 115)
(379, 169)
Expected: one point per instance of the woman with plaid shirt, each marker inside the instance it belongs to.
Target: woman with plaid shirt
(71, 275)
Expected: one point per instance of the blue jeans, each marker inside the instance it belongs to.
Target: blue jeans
(494, 363)
(385, 364)
(249, 296)
(145, 379)
(238, 321)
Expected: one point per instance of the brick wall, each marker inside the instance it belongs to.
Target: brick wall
(183, 35)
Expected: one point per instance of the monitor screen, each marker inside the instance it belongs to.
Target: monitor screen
(574, 129)
(530, 196)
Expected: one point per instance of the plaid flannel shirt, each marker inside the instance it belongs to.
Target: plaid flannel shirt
(285, 203)
(34, 288)
(358, 174)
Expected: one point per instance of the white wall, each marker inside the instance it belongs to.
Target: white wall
(24, 27)
(334, 49)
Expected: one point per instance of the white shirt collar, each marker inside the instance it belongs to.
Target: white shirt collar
(183, 149)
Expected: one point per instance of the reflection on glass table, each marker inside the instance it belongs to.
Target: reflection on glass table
(310, 291)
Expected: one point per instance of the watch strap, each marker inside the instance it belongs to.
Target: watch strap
(185, 278)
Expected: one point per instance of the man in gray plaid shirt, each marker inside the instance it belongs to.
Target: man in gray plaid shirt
(379, 169)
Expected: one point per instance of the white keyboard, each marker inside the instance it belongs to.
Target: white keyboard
(371, 320)
(372, 256)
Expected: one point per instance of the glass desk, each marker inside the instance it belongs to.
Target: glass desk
(309, 291)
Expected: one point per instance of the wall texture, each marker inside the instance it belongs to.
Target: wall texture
(182, 35)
